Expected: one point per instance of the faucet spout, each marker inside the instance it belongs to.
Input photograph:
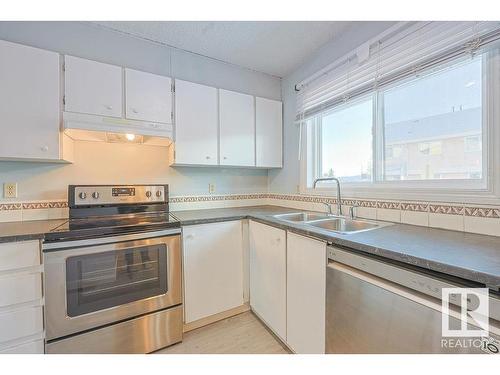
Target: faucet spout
(339, 198)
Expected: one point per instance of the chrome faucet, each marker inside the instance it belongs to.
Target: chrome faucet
(339, 200)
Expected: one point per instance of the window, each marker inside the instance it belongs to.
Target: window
(426, 132)
(342, 132)
(429, 118)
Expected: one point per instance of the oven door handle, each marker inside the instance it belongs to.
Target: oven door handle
(52, 246)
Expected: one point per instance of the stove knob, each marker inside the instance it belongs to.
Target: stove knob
(95, 195)
(82, 195)
(158, 193)
(148, 194)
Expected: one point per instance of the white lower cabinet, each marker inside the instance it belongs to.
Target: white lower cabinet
(213, 268)
(288, 286)
(268, 276)
(21, 302)
(306, 284)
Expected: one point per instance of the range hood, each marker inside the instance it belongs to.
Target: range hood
(86, 127)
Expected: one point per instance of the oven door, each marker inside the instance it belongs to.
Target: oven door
(89, 284)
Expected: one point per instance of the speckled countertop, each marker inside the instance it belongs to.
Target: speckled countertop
(469, 256)
(27, 230)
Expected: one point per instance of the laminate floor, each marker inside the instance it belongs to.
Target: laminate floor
(240, 334)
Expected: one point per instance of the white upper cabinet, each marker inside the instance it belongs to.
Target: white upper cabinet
(92, 87)
(237, 129)
(268, 133)
(148, 97)
(30, 103)
(196, 124)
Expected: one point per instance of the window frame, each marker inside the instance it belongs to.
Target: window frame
(484, 190)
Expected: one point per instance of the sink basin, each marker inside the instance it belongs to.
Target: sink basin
(341, 225)
(301, 216)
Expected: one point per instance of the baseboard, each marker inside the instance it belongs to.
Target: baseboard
(216, 317)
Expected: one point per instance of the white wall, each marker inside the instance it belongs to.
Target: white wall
(286, 180)
(113, 163)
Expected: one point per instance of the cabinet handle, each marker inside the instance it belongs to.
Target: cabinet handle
(135, 110)
(44, 148)
(207, 157)
(189, 236)
(110, 107)
(225, 157)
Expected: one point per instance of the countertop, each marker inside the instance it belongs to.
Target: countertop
(27, 230)
(468, 256)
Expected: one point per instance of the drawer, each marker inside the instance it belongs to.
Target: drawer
(32, 347)
(20, 288)
(14, 255)
(20, 323)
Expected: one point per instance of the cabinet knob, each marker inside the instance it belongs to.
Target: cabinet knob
(189, 236)
(225, 157)
(207, 157)
(110, 107)
(44, 148)
(135, 110)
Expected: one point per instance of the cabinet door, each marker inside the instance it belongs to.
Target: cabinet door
(29, 102)
(237, 129)
(196, 124)
(306, 285)
(268, 133)
(213, 268)
(148, 97)
(92, 87)
(268, 276)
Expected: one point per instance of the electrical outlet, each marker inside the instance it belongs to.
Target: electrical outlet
(211, 188)
(10, 190)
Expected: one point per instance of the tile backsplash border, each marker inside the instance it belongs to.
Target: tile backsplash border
(483, 219)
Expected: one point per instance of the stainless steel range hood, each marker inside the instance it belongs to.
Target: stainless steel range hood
(88, 127)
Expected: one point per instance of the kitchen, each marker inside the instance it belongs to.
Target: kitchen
(185, 187)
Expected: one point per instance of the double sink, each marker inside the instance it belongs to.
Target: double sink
(330, 223)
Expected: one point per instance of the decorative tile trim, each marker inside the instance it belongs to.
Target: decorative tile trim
(211, 198)
(10, 206)
(389, 205)
(32, 205)
(488, 212)
(39, 205)
(446, 209)
(415, 207)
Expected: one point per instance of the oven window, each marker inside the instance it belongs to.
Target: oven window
(99, 281)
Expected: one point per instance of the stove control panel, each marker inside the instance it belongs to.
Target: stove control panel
(93, 195)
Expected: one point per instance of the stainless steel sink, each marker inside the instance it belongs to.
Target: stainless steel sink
(341, 225)
(330, 223)
(301, 216)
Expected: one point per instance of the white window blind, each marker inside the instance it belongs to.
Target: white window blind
(400, 52)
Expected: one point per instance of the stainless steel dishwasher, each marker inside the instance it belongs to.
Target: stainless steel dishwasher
(377, 307)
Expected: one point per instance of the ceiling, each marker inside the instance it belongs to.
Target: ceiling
(272, 47)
